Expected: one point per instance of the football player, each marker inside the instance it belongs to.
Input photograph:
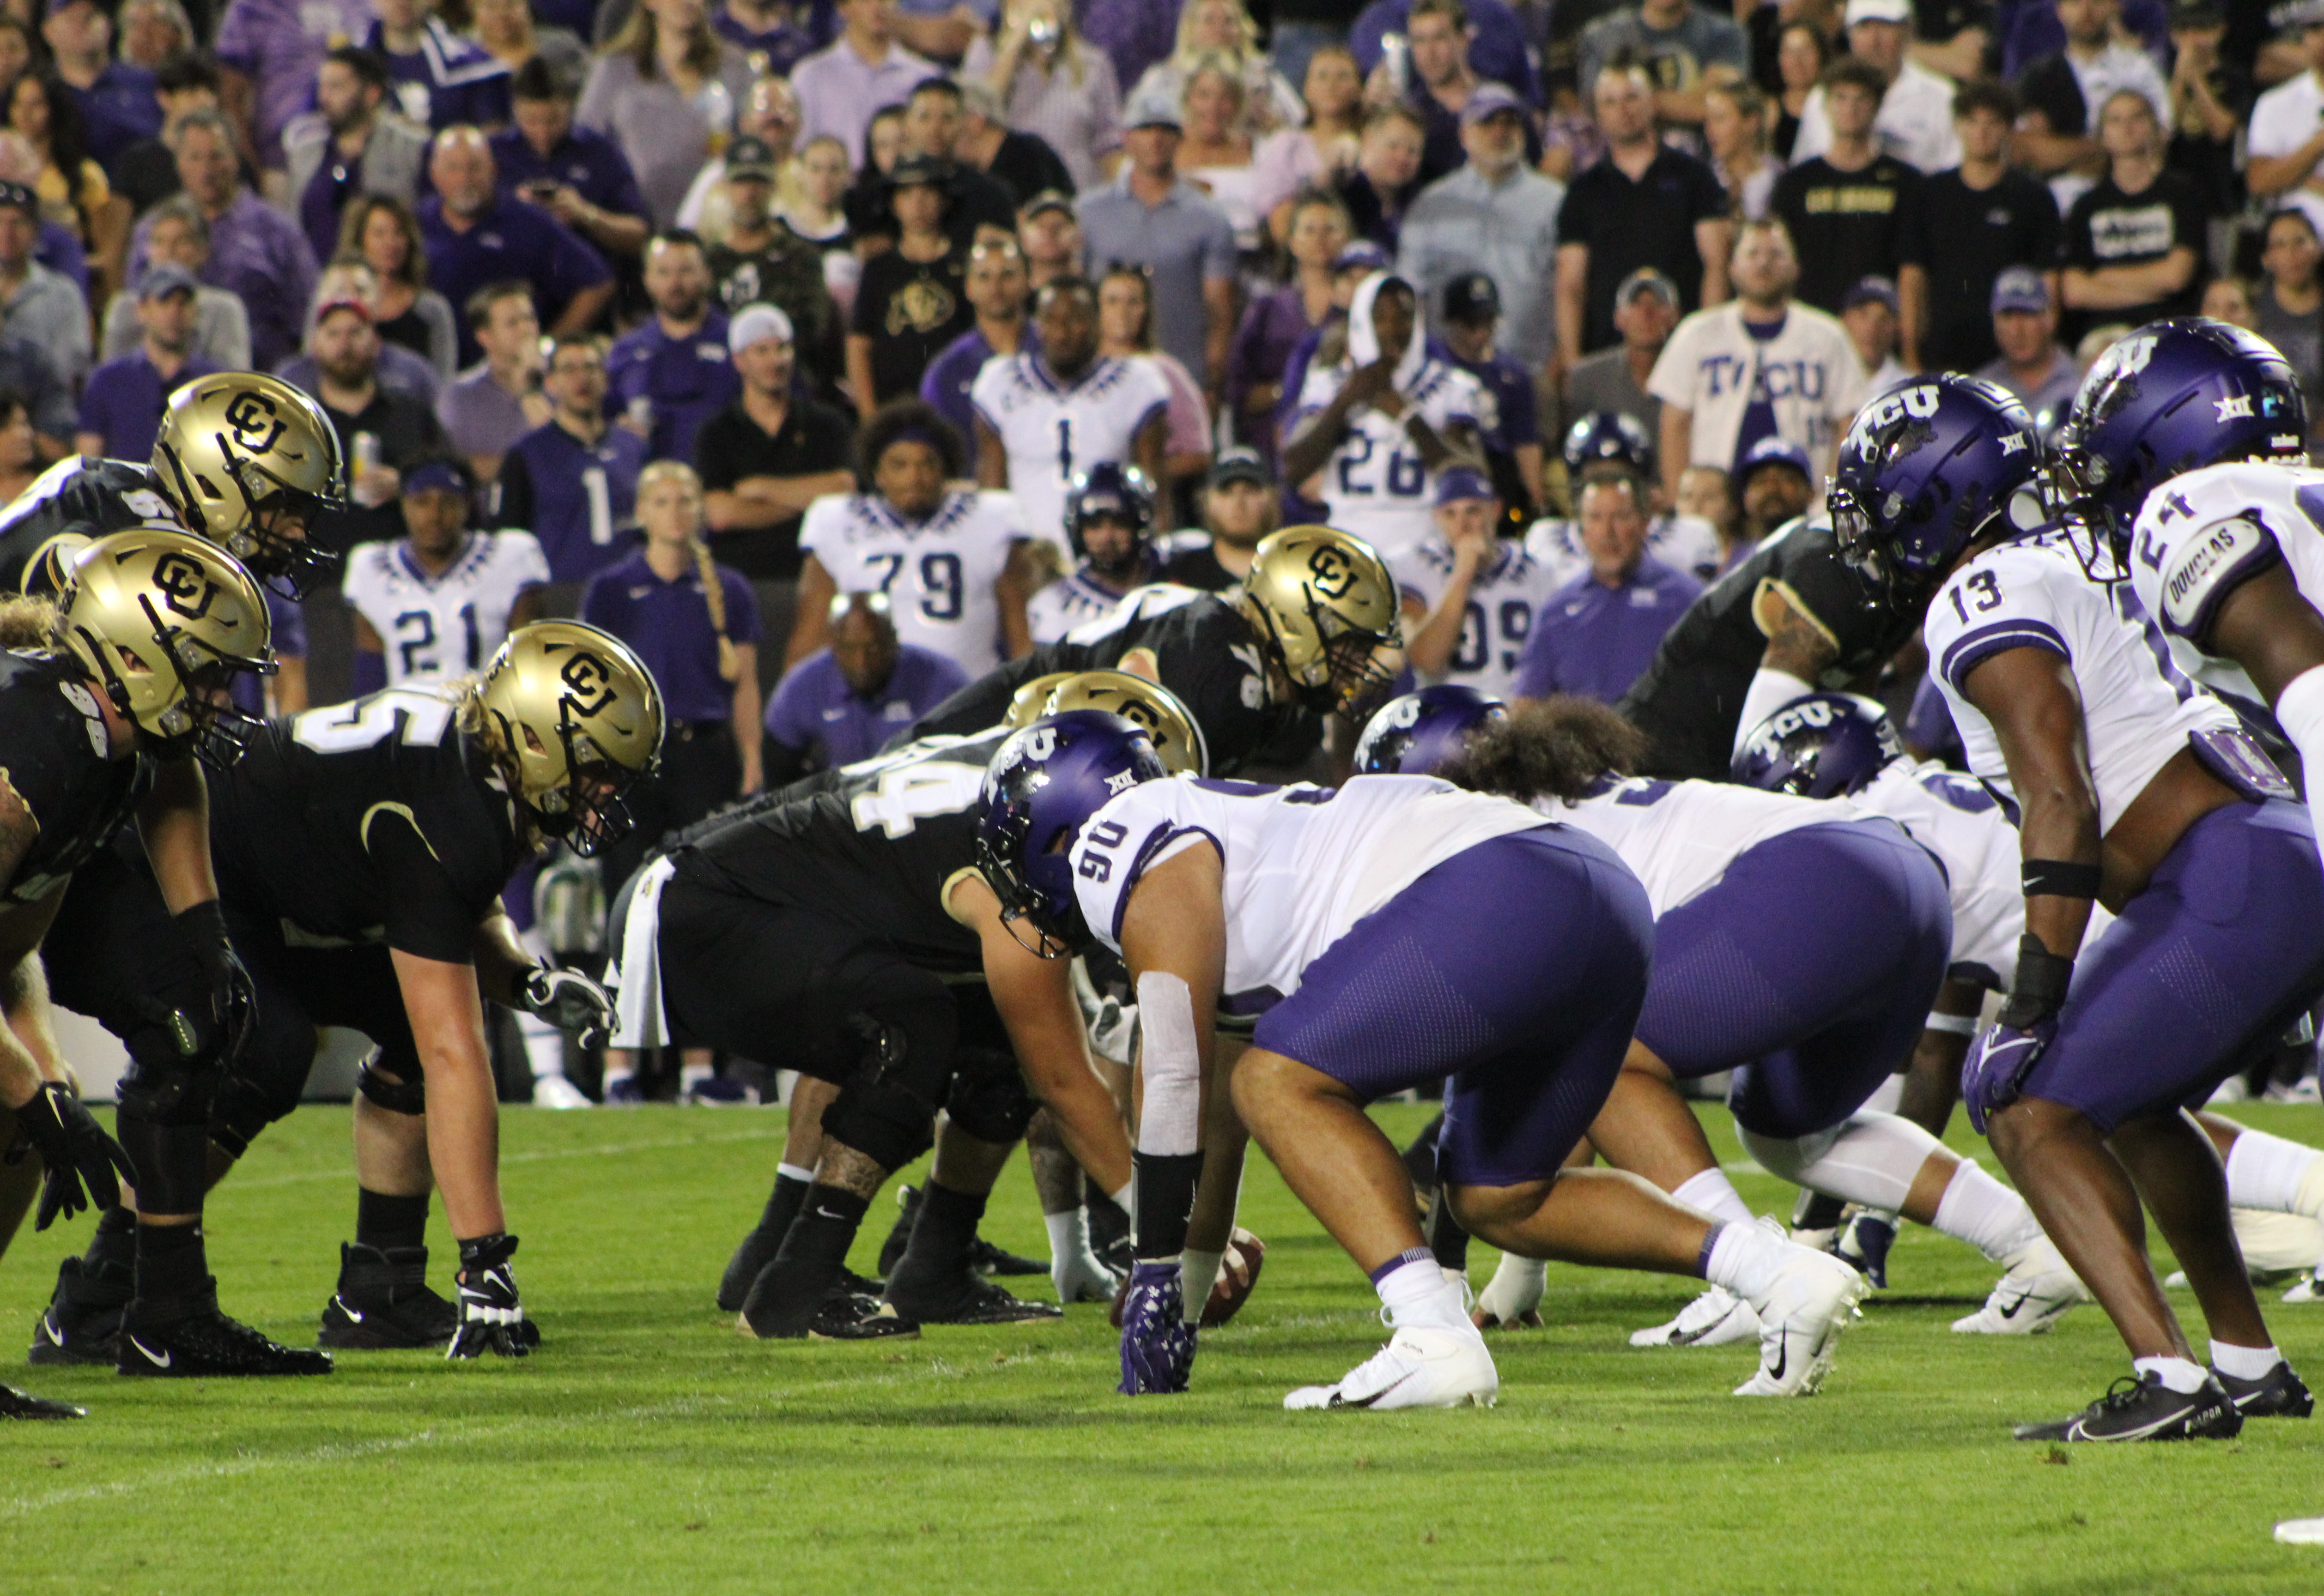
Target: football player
(362, 850)
(1109, 517)
(1469, 595)
(1352, 922)
(440, 602)
(244, 461)
(2136, 787)
(1600, 441)
(106, 700)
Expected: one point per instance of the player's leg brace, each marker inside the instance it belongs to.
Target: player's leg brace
(166, 1099)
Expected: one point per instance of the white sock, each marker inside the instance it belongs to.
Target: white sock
(1746, 1259)
(1869, 1158)
(1979, 1210)
(1418, 1294)
(690, 1076)
(1128, 1195)
(1197, 1273)
(793, 1172)
(2266, 1171)
(544, 1045)
(613, 1075)
(2176, 1373)
(2245, 1362)
(1068, 1234)
(1885, 1096)
(1713, 1193)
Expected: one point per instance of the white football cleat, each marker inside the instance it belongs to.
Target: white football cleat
(1715, 1318)
(1810, 1302)
(554, 1091)
(1421, 1366)
(2306, 1290)
(1084, 1278)
(1513, 1296)
(2032, 1296)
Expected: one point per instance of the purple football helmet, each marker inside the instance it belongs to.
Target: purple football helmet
(1419, 733)
(1610, 434)
(1043, 784)
(1826, 745)
(1112, 488)
(1924, 470)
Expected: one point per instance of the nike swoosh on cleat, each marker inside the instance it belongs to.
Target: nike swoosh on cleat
(2011, 1311)
(1782, 1356)
(355, 1315)
(158, 1362)
(1340, 1402)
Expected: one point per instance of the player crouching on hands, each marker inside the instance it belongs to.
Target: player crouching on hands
(2136, 788)
(107, 698)
(1391, 933)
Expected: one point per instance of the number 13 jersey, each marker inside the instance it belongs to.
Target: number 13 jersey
(939, 574)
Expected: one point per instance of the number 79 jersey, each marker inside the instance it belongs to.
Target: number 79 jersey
(438, 628)
(939, 574)
(2199, 537)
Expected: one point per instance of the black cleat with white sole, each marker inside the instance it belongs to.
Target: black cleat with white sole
(2141, 1408)
(2277, 1394)
(965, 1297)
(383, 1302)
(982, 1256)
(192, 1340)
(17, 1404)
(82, 1322)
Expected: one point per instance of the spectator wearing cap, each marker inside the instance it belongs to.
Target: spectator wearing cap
(1512, 433)
(1240, 505)
(382, 432)
(1151, 216)
(842, 703)
(1852, 211)
(475, 234)
(180, 237)
(1916, 121)
(1643, 205)
(1772, 482)
(398, 368)
(487, 408)
(1273, 324)
(1469, 593)
(759, 261)
(768, 455)
(1050, 236)
(37, 305)
(2062, 94)
(399, 635)
(1497, 216)
(267, 52)
(772, 117)
(1387, 174)
(1595, 636)
(998, 293)
(932, 122)
(1976, 221)
(672, 371)
(573, 482)
(1646, 309)
(577, 174)
(349, 145)
(118, 107)
(1438, 35)
(2030, 363)
(1682, 48)
(839, 88)
(2134, 244)
(121, 408)
(1060, 90)
(441, 79)
(1870, 312)
(1021, 159)
(913, 301)
(256, 253)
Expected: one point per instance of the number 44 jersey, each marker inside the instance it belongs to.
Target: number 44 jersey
(939, 574)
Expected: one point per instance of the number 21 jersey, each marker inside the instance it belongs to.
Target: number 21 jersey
(939, 574)
(443, 626)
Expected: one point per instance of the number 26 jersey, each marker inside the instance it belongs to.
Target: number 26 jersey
(939, 574)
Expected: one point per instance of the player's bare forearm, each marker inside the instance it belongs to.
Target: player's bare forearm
(448, 1023)
(1714, 241)
(502, 961)
(174, 820)
(2030, 697)
(1678, 442)
(747, 730)
(1019, 579)
(1175, 925)
(1796, 644)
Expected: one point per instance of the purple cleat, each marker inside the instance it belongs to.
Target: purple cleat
(1157, 1345)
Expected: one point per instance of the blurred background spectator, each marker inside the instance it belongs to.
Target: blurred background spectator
(2028, 361)
(487, 408)
(577, 174)
(351, 143)
(121, 408)
(384, 233)
(1319, 151)
(1646, 309)
(842, 702)
(1594, 636)
(475, 234)
(672, 371)
(665, 88)
(574, 481)
(769, 454)
(1495, 215)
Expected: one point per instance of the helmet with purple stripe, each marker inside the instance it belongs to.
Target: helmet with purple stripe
(1608, 434)
(1042, 786)
(1826, 745)
(1419, 733)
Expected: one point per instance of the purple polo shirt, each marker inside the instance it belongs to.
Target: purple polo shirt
(260, 256)
(278, 44)
(689, 379)
(813, 706)
(508, 239)
(1595, 640)
(118, 109)
(586, 159)
(123, 401)
(668, 623)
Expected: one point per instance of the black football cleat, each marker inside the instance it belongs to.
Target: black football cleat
(82, 1322)
(797, 1298)
(191, 1341)
(965, 1297)
(2141, 1408)
(845, 1316)
(383, 1303)
(17, 1404)
(2277, 1394)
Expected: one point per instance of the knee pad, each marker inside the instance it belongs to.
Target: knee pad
(885, 1121)
(171, 1080)
(406, 1097)
(988, 1098)
(1787, 1158)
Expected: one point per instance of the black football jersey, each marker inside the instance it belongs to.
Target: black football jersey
(1201, 649)
(1691, 697)
(377, 820)
(53, 765)
(90, 496)
(870, 846)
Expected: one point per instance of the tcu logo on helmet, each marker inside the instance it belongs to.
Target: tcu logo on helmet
(185, 585)
(1919, 403)
(1334, 572)
(588, 683)
(250, 417)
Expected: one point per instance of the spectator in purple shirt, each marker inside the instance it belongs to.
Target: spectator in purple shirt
(441, 79)
(268, 51)
(673, 371)
(996, 289)
(121, 411)
(1595, 636)
(573, 484)
(118, 107)
(349, 145)
(764, 28)
(256, 252)
(577, 174)
(475, 236)
(842, 703)
(1273, 326)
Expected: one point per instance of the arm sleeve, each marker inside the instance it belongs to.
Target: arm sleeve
(426, 914)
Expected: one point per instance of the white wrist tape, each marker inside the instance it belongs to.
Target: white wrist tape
(1170, 1117)
(1952, 1024)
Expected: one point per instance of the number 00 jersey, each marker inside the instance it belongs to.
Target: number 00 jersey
(939, 574)
(1504, 596)
(54, 772)
(2199, 535)
(87, 497)
(442, 626)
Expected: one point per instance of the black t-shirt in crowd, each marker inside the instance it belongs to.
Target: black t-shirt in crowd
(2107, 227)
(1848, 226)
(787, 273)
(1025, 165)
(2210, 163)
(408, 432)
(731, 446)
(1969, 237)
(1628, 226)
(909, 309)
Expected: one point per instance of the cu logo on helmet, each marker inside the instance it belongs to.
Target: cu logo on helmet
(250, 418)
(184, 585)
(1334, 571)
(588, 684)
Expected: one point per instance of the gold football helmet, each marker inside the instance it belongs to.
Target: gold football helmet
(1029, 703)
(1155, 711)
(51, 566)
(1325, 607)
(580, 717)
(162, 621)
(242, 456)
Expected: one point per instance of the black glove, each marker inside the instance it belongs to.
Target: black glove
(568, 1000)
(84, 1164)
(492, 1318)
(234, 999)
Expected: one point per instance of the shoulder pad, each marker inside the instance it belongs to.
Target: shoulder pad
(2201, 570)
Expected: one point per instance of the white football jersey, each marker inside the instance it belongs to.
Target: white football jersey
(2138, 710)
(1374, 484)
(1073, 599)
(1503, 598)
(1678, 838)
(1688, 544)
(2198, 535)
(446, 625)
(1955, 818)
(1303, 864)
(1053, 430)
(939, 574)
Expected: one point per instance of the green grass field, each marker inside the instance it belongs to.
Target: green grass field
(648, 1447)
